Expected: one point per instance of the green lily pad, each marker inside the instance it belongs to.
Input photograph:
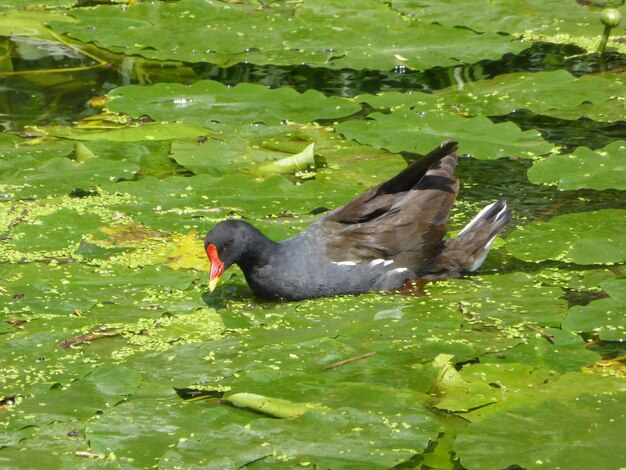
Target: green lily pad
(63, 289)
(57, 444)
(582, 238)
(60, 230)
(201, 201)
(534, 19)
(209, 103)
(554, 349)
(237, 149)
(103, 388)
(343, 163)
(585, 168)
(313, 33)
(549, 93)
(406, 130)
(27, 177)
(10, 4)
(604, 317)
(496, 17)
(550, 433)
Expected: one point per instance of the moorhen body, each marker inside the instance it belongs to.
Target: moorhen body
(391, 233)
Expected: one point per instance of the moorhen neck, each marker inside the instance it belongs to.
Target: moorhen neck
(391, 233)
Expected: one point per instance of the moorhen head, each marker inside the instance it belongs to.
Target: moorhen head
(391, 233)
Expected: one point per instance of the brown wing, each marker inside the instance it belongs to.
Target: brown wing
(402, 219)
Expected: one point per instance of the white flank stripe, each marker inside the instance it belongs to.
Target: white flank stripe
(398, 270)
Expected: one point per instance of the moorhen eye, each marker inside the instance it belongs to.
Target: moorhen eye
(391, 233)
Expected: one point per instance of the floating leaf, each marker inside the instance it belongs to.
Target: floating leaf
(63, 229)
(604, 317)
(585, 168)
(313, 33)
(209, 103)
(557, 94)
(533, 19)
(30, 177)
(406, 130)
(550, 433)
(553, 349)
(582, 238)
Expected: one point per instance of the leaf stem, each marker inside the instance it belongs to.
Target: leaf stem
(604, 39)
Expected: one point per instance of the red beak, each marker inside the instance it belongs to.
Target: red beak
(217, 267)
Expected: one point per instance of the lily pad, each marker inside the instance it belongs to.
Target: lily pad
(554, 349)
(343, 163)
(585, 168)
(59, 175)
(557, 94)
(406, 130)
(209, 103)
(313, 33)
(526, 436)
(604, 317)
(582, 238)
(534, 19)
(61, 230)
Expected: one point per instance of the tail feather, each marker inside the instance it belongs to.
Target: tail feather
(467, 251)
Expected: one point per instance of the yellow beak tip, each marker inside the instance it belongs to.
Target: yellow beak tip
(213, 284)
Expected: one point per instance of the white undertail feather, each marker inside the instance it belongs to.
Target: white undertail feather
(504, 212)
(475, 220)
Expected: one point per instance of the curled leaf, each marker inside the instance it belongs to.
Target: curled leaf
(276, 407)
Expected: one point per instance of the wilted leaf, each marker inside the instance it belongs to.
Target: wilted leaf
(299, 162)
(272, 406)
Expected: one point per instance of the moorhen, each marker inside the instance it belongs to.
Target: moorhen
(391, 233)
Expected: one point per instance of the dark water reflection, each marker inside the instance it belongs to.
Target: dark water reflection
(58, 92)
